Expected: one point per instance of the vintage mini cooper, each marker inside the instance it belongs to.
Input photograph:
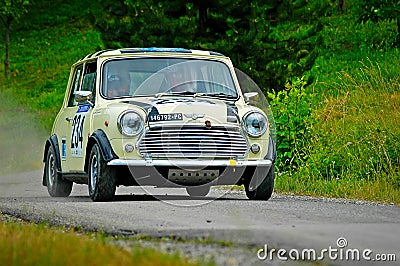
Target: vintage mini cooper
(160, 117)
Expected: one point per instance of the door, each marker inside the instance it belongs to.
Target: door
(73, 126)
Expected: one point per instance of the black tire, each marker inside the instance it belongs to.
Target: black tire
(56, 185)
(102, 178)
(198, 191)
(265, 189)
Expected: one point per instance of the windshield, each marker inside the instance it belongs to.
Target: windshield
(167, 76)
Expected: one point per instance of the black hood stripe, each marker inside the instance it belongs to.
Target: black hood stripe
(231, 112)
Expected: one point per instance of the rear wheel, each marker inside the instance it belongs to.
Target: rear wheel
(264, 190)
(102, 178)
(56, 185)
(198, 191)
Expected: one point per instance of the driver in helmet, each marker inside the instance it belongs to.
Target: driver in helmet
(117, 86)
(179, 82)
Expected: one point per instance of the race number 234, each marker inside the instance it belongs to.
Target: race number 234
(77, 135)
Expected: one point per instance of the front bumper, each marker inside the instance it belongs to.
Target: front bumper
(190, 163)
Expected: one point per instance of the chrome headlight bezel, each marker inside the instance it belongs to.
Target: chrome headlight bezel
(263, 122)
(123, 126)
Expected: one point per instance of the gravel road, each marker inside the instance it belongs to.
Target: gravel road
(224, 226)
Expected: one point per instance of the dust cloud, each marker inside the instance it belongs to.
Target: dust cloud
(21, 139)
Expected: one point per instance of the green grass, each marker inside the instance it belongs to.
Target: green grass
(40, 63)
(352, 145)
(353, 148)
(32, 244)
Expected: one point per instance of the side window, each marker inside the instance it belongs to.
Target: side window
(89, 78)
(75, 85)
(89, 81)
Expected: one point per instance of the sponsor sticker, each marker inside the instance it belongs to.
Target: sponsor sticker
(64, 148)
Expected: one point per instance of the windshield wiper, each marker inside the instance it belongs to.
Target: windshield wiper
(183, 93)
(221, 94)
(195, 94)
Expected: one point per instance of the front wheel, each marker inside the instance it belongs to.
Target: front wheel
(264, 190)
(102, 178)
(56, 185)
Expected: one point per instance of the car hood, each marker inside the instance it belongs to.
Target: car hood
(187, 109)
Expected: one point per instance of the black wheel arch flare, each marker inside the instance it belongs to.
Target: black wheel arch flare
(271, 155)
(53, 142)
(100, 137)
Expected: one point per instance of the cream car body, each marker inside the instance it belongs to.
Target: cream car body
(176, 135)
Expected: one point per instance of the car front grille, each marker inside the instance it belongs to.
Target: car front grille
(193, 142)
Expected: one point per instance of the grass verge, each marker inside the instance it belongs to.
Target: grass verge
(32, 244)
(353, 150)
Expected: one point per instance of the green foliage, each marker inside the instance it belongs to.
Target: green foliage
(353, 149)
(268, 45)
(292, 113)
(41, 62)
(12, 10)
(377, 10)
(55, 13)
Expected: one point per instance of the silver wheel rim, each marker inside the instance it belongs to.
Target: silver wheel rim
(50, 170)
(93, 172)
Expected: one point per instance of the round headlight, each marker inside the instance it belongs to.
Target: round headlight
(130, 123)
(255, 124)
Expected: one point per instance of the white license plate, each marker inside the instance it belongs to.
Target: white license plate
(165, 117)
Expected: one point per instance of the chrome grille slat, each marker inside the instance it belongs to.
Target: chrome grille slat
(183, 141)
(183, 149)
(187, 137)
(193, 141)
(203, 146)
(192, 134)
(158, 131)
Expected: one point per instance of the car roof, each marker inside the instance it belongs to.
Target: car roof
(127, 51)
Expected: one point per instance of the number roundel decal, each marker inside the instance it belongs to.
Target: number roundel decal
(77, 131)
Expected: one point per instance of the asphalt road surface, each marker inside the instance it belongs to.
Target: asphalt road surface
(334, 228)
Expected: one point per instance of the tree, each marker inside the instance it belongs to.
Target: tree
(340, 5)
(10, 10)
(272, 42)
(377, 10)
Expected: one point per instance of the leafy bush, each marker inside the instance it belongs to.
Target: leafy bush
(352, 147)
(292, 113)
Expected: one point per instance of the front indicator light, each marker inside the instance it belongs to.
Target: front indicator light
(255, 148)
(129, 148)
